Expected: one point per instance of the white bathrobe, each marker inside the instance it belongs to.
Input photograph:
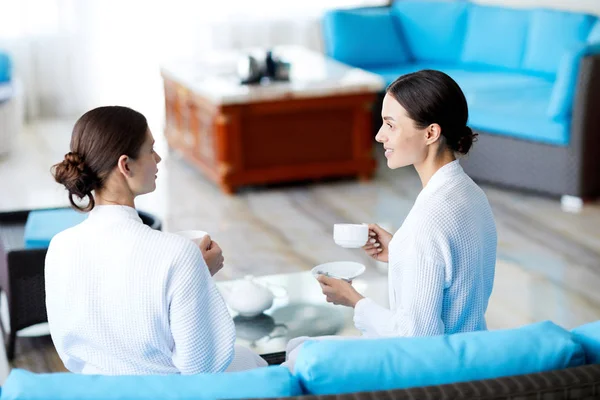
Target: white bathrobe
(124, 299)
(441, 265)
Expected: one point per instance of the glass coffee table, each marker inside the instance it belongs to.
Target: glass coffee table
(299, 309)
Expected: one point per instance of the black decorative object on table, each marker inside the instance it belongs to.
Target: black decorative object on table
(255, 68)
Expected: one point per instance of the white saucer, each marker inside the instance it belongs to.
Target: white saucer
(346, 270)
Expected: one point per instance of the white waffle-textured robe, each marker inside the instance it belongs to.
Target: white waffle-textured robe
(125, 299)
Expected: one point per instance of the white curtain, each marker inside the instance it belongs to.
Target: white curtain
(72, 55)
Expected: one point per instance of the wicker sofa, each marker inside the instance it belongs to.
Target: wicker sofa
(572, 383)
(536, 361)
(533, 87)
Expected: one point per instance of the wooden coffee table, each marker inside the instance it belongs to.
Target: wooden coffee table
(315, 126)
(299, 310)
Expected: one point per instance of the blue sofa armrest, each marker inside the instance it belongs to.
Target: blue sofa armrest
(5, 67)
(563, 92)
(364, 37)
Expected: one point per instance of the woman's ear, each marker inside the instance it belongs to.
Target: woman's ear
(123, 165)
(433, 133)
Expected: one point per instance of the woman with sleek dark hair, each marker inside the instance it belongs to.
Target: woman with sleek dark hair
(122, 298)
(442, 259)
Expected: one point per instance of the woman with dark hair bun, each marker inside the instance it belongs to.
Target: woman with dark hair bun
(442, 259)
(122, 298)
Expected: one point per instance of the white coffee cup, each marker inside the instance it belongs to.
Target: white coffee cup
(350, 235)
(194, 235)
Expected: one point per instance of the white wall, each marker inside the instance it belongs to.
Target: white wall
(590, 6)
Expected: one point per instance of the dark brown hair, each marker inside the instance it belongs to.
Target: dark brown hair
(99, 138)
(431, 96)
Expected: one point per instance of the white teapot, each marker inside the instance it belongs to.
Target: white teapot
(248, 297)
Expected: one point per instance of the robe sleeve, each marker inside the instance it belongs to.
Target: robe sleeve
(421, 311)
(201, 326)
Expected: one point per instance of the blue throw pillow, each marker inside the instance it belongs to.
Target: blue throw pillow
(42, 225)
(434, 30)
(5, 67)
(364, 37)
(589, 337)
(495, 36)
(560, 106)
(551, 34)
(261, 382)
(346, 366)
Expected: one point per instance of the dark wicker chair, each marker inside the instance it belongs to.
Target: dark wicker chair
(22, 275)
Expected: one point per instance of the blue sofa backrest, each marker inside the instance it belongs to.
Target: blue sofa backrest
(433, 31)
(346, 366)
(529, 40)
(274, 381)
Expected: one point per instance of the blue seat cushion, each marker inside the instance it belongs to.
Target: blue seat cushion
(500, 102)
(495, 36)
(520, 113)
(589, 337)
(5, 67)
(433, 30)
(363, 37)
(42, 225)
(347, 366)
(273, 381)
(551, 34)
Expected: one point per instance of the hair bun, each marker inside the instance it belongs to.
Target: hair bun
(74, 160)
(466, 140)
(76, 176)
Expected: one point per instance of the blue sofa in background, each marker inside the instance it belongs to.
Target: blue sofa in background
(540, 360)
(531, 78)
(11, 95)
(5, 67)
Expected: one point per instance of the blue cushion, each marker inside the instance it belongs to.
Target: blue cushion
(594, 36)
(518, 113)
(563, 92)
(5, 67)
(363, 37)
(495, 36)
(551, 34)
(346, 366)
(262, 382)
(434, 30)
(589, 337)
(42, 225)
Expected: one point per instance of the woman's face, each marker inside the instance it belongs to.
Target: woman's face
(404, 144)
(144, 168)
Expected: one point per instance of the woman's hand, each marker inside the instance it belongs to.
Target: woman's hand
(212, 253)
(378, 244)
(339, 292)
